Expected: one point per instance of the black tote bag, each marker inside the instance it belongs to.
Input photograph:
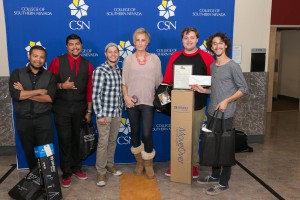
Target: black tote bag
(208, 155)
(218, 147)
(28, 188)
(88, 140)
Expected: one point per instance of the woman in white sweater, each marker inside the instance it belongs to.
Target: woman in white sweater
(141, 76)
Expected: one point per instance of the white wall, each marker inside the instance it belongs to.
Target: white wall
(289, 74)
(4, 70)
(252, 28)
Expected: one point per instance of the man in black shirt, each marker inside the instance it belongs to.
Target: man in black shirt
(32, 89)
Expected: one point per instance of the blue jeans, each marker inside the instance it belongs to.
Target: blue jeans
(141, 114)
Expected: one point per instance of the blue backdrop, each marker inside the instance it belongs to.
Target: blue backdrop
(47, 23)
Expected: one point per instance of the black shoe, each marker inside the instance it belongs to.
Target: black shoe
(217, 189)
(208, 180)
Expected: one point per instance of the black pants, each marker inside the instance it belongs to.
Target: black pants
(68, 130)
(136, 114)
(221, 172)
(34, 132)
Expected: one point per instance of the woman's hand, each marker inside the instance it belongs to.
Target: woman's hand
(129, 101)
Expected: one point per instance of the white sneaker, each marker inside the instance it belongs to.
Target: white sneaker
(101, 180)
(113, 170)
(117, 173)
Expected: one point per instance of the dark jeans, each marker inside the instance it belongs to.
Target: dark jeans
(34, 132)
(145, 114)
(68, 129)
(222, 172)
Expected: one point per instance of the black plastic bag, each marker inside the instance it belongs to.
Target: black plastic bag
(28, 188)
(88, 140)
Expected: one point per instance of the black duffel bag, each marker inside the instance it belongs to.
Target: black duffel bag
(241, 142)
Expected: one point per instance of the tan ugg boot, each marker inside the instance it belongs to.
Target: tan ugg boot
(148, 163)
(139, 168)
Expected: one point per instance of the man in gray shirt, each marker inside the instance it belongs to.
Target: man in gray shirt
(227, 85)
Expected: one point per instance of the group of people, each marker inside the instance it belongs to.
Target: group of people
(71, 88)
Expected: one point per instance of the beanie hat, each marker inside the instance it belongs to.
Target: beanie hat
(111, 44)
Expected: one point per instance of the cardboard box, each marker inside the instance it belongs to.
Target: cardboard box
(48, 171)
(182, 107)
(200, 80)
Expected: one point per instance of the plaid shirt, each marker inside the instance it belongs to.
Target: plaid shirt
(107, 91)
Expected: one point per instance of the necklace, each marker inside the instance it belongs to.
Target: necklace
(141, 61)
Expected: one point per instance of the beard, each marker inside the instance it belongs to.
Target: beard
(35, 67)
(76, 55)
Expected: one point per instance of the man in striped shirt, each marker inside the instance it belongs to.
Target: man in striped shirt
(107, 104)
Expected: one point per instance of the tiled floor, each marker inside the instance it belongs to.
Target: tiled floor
(276, 163)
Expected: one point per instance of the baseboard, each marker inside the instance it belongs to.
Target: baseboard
(255, 139)
(7, 150)
(287, 98)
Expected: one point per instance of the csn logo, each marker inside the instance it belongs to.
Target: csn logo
(125, 48)
(166, 10)
(31, 44)
(79, 9)
(125, 129)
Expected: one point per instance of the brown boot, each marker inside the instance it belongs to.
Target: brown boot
(148, 163)
(139, 168)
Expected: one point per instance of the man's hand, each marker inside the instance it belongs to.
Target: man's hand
(69, 85)
(88, 117)
(43, 91)
(102, 121)
(222, 105)
(200, 89)
(18, 86)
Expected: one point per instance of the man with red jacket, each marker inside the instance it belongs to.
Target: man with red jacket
(201, 61)
(72, 105)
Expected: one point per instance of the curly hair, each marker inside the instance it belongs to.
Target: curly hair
(223, 37)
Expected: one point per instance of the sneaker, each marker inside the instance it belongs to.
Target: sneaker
(113, 170)
(80, 174)
(168, 172)
(195, 172)
(101, 180)
(66, 182)
(208, 180)
(217, 189)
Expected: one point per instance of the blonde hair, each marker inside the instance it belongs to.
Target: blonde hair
(141, 31)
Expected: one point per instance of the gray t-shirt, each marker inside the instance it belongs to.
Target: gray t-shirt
(226, 80)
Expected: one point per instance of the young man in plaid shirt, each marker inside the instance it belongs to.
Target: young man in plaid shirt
(107, 104)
